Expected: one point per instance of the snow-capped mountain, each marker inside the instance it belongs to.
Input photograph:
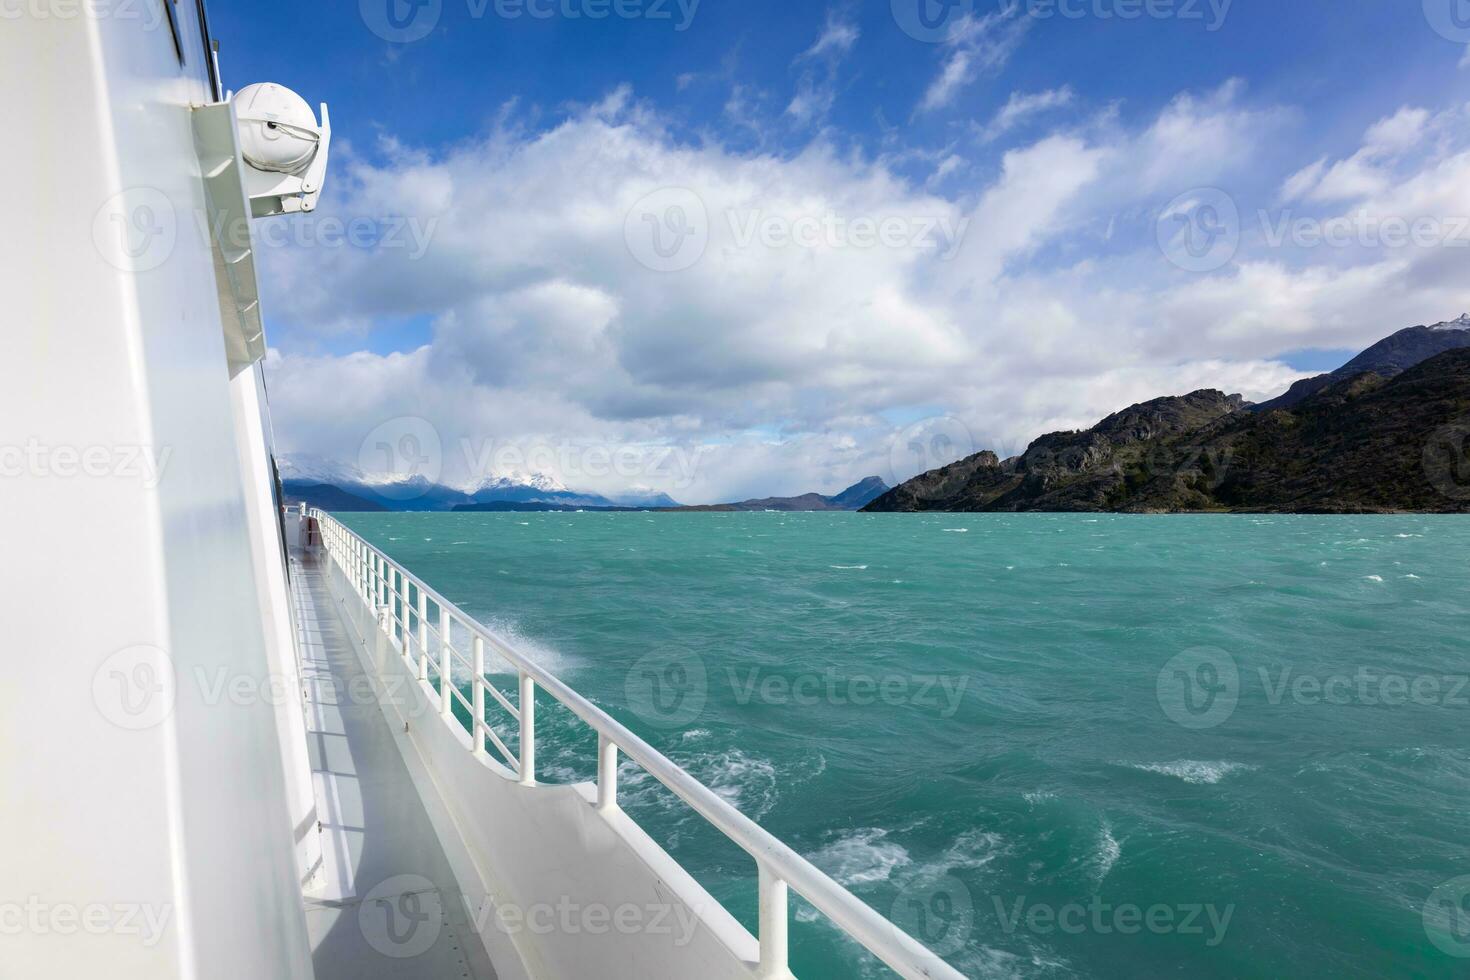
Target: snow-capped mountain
(310, 468)
(304, 474)
(1463, 323)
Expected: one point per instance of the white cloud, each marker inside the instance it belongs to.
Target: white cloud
(775, 365)
(1022, 106)
(975, 46)
(837, 37)
(816, 86)
(1368, 171)
(1299, 184)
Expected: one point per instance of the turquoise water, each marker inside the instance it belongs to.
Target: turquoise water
(1056, 746)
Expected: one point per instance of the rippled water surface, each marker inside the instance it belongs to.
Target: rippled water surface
(1056, 746)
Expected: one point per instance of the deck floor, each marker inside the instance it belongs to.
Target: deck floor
(387, 904)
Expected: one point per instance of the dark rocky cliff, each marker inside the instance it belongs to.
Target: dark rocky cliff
(1360, 444)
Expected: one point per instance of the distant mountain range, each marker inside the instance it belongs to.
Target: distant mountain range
(1387, 432)
(330, 485)
(336, 486)
(855, 497)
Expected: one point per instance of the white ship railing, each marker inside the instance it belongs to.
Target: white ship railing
(380, 581)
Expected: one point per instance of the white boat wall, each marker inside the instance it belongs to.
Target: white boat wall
(183, 790)
(154, 828)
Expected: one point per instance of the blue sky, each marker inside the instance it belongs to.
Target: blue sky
(1055, 148)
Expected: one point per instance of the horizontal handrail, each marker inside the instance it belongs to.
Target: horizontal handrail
(778, 864)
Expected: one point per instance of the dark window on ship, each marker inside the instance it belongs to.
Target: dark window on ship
(173, 26)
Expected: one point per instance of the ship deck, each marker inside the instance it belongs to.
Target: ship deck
(386, 903)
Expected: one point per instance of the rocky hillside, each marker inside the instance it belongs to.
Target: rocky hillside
(1360, 444)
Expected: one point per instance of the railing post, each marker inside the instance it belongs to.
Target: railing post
(402, 613)
(446, 666)
(528, 730)
(477, 730)
(607, 773)
(773, 922)
(423, 636)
